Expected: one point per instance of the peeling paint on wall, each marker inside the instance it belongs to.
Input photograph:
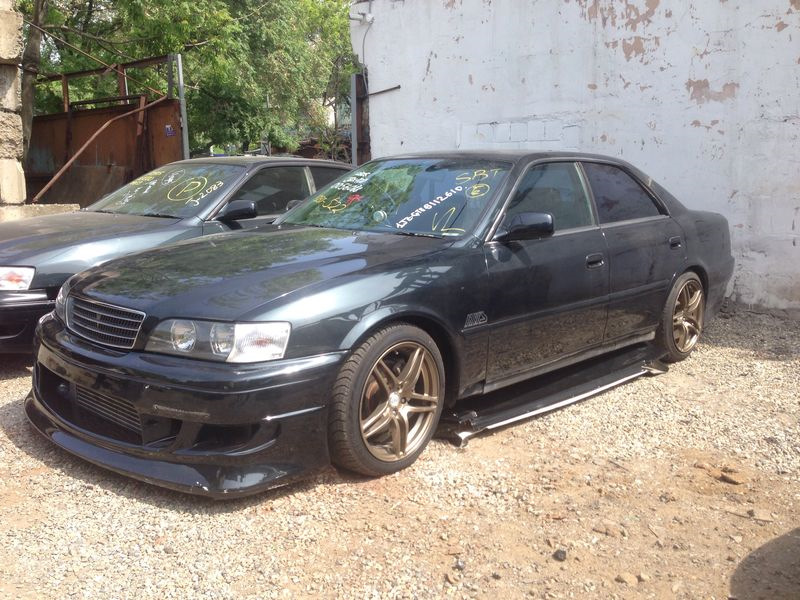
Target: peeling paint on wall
(700, 91)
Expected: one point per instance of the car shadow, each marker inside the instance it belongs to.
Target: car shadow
(771, 572)
(15, 365)
(15, 426)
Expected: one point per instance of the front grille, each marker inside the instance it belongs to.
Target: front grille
(116, 410)
(103, 323)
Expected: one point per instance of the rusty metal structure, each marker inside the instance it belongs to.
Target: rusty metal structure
(94, 146)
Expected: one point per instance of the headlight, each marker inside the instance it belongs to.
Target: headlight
(229, 342)
(16, 278)
(61, 301)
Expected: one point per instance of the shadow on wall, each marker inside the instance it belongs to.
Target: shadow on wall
(771, 572)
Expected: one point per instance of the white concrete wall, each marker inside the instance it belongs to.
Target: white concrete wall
(704, 95)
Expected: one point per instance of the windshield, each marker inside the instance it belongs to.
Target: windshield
(421, 196)
(179, 191)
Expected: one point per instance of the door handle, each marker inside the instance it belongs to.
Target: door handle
(595, 261)
(675, 242)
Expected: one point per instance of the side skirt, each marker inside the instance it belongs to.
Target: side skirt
(548, 392)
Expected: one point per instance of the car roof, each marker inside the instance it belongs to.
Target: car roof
(514, 156)
(250, 161)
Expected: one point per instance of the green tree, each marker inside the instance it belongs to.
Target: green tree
(254, 69)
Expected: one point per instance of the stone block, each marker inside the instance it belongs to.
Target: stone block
(502, 132)
(535, 131)
(10, 37)
(12, 182)
(26, 211)
(10, 88)
(484, 132)
(519, 132)
(10, 135)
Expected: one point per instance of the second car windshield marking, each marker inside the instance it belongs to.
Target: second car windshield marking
(428, 205)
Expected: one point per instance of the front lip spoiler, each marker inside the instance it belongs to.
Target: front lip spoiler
(211, 480)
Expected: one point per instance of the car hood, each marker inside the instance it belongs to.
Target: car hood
(229, 275)
(30, 241)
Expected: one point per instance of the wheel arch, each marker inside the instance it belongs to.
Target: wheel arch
(428, 323)
(701, 273)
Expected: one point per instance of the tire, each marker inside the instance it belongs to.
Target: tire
(682, 319)
(386, 402)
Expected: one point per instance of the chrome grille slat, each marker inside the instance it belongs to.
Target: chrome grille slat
(106, 311)
(103, 323)
(108, 330)
(116, 410)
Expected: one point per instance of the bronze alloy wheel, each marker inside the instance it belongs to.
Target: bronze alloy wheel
(687, 316)
(399, 402)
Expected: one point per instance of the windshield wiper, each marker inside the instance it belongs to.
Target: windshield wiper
(413, 233)
(158, 215)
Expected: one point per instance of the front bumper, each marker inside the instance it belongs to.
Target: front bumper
(204, 428)
(19, 313)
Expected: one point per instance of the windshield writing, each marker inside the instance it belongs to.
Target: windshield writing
(439, 197)
(177, 191)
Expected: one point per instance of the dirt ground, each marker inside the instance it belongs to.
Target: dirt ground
(683, 485)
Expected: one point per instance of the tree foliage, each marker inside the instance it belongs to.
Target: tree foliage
(254, 69)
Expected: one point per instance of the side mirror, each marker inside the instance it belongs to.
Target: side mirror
(292, 203)
(526, 226)
(238, 209)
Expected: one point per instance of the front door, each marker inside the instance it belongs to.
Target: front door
(548, 296)
(272, 189)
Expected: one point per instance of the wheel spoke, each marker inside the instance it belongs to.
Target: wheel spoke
(378, 421)
(399, 433)
(433, 400)
(408, 378)
(385, 377)
(694, 301)
(413, 408)
(684, 337)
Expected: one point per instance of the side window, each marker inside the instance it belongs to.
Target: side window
(553, 188)
(273, 187)
(618, 196)
(324, 175)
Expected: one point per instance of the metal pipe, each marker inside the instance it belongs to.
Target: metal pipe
(182, 99)
(88, 142)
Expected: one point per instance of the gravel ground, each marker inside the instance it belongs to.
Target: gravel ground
(683, 485)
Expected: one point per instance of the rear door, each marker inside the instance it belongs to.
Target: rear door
(549, 295)
(645, 249)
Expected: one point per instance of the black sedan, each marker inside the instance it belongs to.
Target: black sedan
(239, 362)
(181, 200)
